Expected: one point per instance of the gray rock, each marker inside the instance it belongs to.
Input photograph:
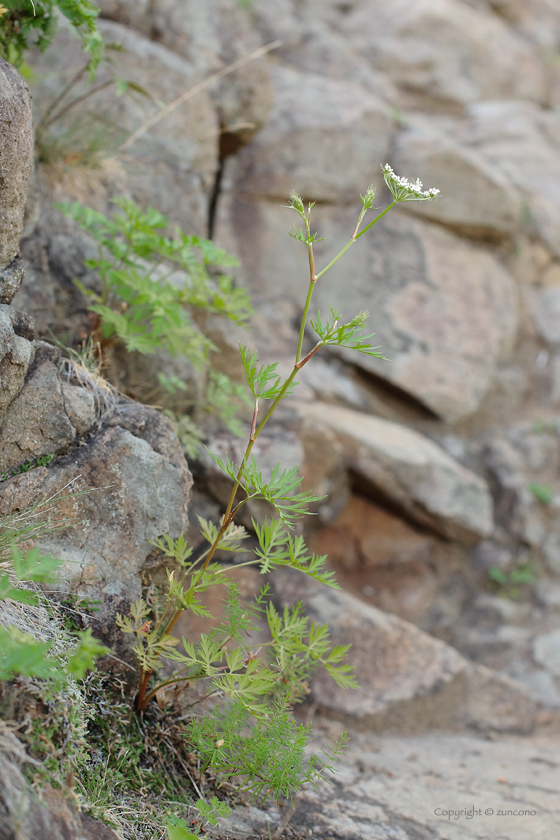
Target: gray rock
(445, 54)
(520, 141)
(23, 324)
(10, 280)
(407, 679)
(412, 472)
(476, 198)
(325, 139)
(16, 354)
(547, 314)
(212, 36)
(551, 552)
(444, 311)
(16, 159)
(36, 422)
(546, 651)
(515, 507)
(126, 485)
(80, 407)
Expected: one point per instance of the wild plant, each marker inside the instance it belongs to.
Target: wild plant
(251, 734)
(151, 285)
(20, 20)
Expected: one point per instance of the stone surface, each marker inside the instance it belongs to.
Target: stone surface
(546, 651)
(407, 679)
(79, 404)
(443, 53)
(398, 788)
(16, 354)
(127, 485)
(476, 198)
(325, 138)
(412, 472)
(10, 280)
(171, 166)
(516, 509)
(212, 36)
(16, 159)
(364, 536)
(547, 314)
(520, 141)
(36, 423)
(443, 311)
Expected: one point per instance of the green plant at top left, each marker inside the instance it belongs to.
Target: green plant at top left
(21, 20)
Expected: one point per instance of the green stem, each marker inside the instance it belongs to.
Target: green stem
(336, 259)
(354, 238)
(367, 227)
(304, 319)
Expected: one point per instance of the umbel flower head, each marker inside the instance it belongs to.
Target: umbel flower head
(404, 190)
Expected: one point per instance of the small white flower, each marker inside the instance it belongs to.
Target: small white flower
(404, 190)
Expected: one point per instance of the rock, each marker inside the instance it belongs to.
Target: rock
(365, 536)
(135, 13)
(133, 487)
(520, 140)
(515, 508)
(412, 472)
(546, 651)
(36, 422)
(445, 312)
(445, 54)
(547, 314)
(551, 552)
(80, 407)
(16, 159)
(476, 199)
(126, 485)
(10, 280)
(213, 36)
(407, 679)
(16, 354)
(324, 139)
(172, 166)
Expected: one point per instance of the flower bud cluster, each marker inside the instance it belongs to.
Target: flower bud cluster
(404, 190)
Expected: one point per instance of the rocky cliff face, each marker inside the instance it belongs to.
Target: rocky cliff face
(428, 459)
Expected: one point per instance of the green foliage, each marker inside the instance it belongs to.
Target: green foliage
(250, 734)
(43, 461)
(507, 583)
(23, 20)
(151, 284)
(21, 654)
(542, 492)
(267, 756)
(334, 334)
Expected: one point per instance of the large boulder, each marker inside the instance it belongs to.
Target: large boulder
(325, 138)
(444, 311)
(412, 472)
(119, 482)
(441, 53)
(16, 159)
(407, 679)
(172, 166)
(520, 141)
(16, 354)
(476, 198)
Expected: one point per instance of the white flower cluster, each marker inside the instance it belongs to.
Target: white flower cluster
(404, 190)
